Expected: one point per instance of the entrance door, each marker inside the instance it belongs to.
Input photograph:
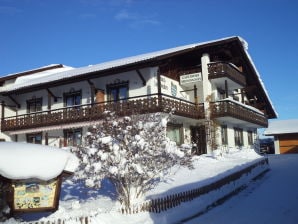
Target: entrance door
(198, 136)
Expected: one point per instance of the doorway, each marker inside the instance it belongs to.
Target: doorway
(198, 137)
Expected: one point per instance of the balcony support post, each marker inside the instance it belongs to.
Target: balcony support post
(92, 90)
(46, 138)
(49, 101)
(242, 96)
(207, 89)
(226, 89)
(159, 89)
(195, 94)
(2, 110)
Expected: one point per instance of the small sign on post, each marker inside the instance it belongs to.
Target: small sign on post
(31, 176)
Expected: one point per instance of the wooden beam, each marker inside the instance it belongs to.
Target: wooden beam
(52, 94)
(141, 77)
(13, 100)
(249, 88)
(2, 110)
(92, 90)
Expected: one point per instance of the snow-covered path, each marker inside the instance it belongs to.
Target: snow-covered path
(272, 199)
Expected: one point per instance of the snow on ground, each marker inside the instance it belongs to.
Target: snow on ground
(102, 208)
(272, 199)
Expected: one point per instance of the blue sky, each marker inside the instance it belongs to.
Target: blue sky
(35, 33)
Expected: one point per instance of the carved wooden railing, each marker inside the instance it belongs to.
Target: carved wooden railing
(236, 110)
(90, 112)
(223, 69)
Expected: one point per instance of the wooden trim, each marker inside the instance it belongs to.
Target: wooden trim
(13, 100)
(141, 77)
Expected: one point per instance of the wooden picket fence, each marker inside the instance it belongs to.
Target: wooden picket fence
(162, 204)
(78, 220)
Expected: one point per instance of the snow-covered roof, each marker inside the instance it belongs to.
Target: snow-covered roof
(26, 78)
(260, 80)
(108, 65)
(74, 72)
(25, 161)
(282, 127)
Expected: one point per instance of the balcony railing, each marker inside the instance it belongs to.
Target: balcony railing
(223, 69)
(91, 112)
(236, 110)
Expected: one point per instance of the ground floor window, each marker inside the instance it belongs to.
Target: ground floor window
(72, 137)
(224, 135)
(174, 133)
(250, 138)
(238, 135)
(35, 138)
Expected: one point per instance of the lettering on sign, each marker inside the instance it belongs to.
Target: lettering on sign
(190, 78)
(35, 195)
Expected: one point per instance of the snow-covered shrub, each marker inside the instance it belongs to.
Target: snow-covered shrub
(132, 152)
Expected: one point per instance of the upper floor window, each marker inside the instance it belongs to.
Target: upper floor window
(72, 98)
(118, 91)
(238, 134)
(34, 105)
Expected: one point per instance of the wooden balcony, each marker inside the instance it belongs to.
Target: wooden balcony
(238, 112)
(219, 70)
(136, 105)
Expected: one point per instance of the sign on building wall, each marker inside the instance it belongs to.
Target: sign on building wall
(190, 78)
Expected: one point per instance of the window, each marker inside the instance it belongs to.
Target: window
(72, 98)
(238, 136)
(72, 137)
(35, 138)
(174, 133)
(118, 91)
(250, 138)
(224, 135)
(34, 105)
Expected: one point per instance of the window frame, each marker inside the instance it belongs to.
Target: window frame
(34, 102)
(250, 137)
(117, 87)
(224, 135)
(34, 136)
(238, 137)
(178, 127)
(72, 95)
(72, 133)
